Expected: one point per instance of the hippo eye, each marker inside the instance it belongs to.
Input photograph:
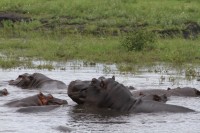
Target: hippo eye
(41, 94)
(20, 76)
(141, 94)
(156, 98)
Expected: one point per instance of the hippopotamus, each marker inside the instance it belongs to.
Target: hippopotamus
(81, 85)
(184, 91)
(108, 93)
(36, 109)
(36, 80)
(3, 92)
(37, 100)
(160, 98)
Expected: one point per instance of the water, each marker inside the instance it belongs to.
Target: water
(73, 118)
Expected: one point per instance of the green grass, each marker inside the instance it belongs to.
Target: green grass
(92, 31)
(108, 13)
(98, 49)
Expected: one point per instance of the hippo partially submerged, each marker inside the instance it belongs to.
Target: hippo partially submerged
(37, 100)
(183, 92)
(108, 93)
(82, 85)
(3, 92)
(36, 80)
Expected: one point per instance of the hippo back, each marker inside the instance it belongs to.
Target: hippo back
(185, 91)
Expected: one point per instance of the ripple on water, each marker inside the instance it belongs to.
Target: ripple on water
(73, 118)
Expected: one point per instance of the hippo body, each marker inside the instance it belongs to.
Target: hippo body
(108, 93)
(36, 80)
(81, 85)
(3, 92)
(184, 92)
(36, 109)
(37, 100)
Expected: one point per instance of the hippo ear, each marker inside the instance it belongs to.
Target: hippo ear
(113, 77)
(94, 80)
(168, 88)
(30, 77)
(41, 94)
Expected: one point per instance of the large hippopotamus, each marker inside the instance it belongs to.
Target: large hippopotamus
(3, 92)
(36, 80)
(108, 93)
(37, 100)
(184, 91)
(81, 85)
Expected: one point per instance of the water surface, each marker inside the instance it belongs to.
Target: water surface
(73, 118)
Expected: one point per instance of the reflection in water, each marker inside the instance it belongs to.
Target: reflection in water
(76, 118)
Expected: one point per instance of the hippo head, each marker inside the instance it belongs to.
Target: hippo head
(55, 101)
(22, 80)
(103, 93)
(75, 90)
(49, 100)
(4, 92)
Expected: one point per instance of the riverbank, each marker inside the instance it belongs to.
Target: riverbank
(93, 31)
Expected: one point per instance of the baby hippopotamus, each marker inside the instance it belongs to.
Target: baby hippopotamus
(3, 92)
(37, 100)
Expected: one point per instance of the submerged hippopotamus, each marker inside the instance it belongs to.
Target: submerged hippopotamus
(185, 91)
(36, 80)
(108, 93)
(37, 100)
(82, 85)
(159, 98)
(3, 92)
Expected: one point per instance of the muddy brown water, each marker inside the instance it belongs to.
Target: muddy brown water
(73, 118)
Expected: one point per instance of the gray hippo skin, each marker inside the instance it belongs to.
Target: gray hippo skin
(183, 92)
(36, 80)
(152, 97)
(3, 92)
(82, 85)
(37, 100)
(108, 93)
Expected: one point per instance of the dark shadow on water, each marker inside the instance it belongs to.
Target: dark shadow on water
(80, 113)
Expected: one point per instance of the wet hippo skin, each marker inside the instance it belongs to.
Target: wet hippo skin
(36, 80)
(183, 92)
(37, 100)
(82, 85)
(108, 93)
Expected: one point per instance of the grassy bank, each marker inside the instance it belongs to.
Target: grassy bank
(93, 31)
(98, 49)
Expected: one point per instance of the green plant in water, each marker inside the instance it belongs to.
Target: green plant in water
(191, 72)
(139, 40)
